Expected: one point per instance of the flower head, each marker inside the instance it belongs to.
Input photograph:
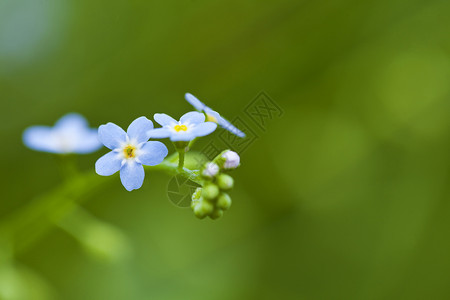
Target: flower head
(190, 126)
(212, 115)
(71, 134)
(130, 150)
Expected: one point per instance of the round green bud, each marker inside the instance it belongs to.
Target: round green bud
(206, 206)
(203, 208)
(216, 214)
(225, 182)
(198, 211)
(210, 191)
(224, 201)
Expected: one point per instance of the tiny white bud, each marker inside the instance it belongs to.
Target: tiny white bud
(211, 170)
(232, 160)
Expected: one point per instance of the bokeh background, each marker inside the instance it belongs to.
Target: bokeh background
(345, 196)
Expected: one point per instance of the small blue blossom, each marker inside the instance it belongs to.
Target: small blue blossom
(71, 134)
(190, 126)
(130, 150)
(213, 115)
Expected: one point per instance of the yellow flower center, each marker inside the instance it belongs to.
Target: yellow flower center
(179, 128)
(210, 118)
(129, 151)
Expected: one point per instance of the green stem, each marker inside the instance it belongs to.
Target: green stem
(181, 155)
(41, 213)
(67, 165)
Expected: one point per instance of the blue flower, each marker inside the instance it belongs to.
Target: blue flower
(130, 150)
(71, 134)
(213, 115)
(190, 126)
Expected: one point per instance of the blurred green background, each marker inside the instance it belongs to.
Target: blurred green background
(345, 196)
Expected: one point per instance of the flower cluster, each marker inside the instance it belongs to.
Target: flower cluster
(132, 149)
(212, 199)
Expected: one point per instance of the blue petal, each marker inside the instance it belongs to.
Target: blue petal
(182, 136)
(192, 117)
(72, 120)
(41, 138)
(159, 133)
(111, 135)
(224, 123)
(165, 120)
(132, 175)
(139, 129)
(203, 129)
(153, 153)
(88, 142)
(197, 104)
(108, 164)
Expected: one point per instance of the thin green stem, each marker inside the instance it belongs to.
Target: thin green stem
(181, 155)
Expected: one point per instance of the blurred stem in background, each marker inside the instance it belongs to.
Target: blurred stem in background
(61, 207)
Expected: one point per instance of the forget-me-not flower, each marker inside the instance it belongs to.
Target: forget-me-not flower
(213, 115)
(71, 134)
(130, 150)
(190, 126)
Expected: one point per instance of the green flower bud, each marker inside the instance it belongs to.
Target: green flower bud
(197, 194)
(193, 204)
(198, 211)
(210, 191)
(225, 182)
(203, 208)
(216, 214)
(224, 201)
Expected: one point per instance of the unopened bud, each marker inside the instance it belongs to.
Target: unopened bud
(224, 201)
(197, 194)
(196, 197)
(232, 159)
(216, 214)
(203, 208)
(211, 170)
(225, 182)
(210, 191)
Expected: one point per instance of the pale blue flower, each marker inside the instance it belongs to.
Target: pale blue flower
(190, 126)
(213, 115)
(71, 134)
(130, 150)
